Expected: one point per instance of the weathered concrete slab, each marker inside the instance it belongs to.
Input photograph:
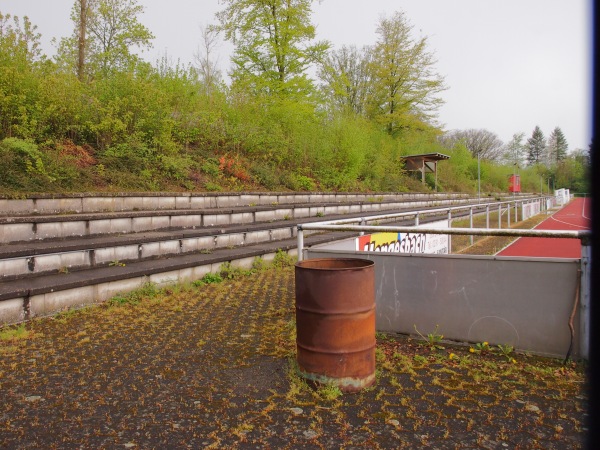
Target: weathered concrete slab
(58, 205)
(187, 221)
(20, 206)
(14, 266)
(61, 229)
(162, 248)
(229, 240)
(105, 291)
(16, 232)
(114, 254)
(12, 311)
(51, 302)
(61, 261)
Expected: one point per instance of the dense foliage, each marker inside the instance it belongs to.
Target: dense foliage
(120, 123)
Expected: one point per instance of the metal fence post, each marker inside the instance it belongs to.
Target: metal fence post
(300, 243)
(500, 215)
(487, 216)
(584, 307)
(471, 222)
(449, 226)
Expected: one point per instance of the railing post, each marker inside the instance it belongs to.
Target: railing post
(300, 243)
(471, 222)
(449, 226)
(508, 215)
(584, 307)
(363, 222)
(487, 216)
(417, 220)
(500, 215)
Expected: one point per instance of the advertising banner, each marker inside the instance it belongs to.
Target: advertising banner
(530, 209)
(406, 242)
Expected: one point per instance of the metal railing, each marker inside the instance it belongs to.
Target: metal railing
(584, 236)
(503, 207)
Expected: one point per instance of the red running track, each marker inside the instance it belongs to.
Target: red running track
(575, 216)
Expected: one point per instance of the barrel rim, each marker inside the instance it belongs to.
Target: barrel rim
(358, 264)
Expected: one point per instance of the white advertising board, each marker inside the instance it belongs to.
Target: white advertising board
(406, 242)
(530, 209)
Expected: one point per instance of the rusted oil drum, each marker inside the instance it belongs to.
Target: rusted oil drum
(335, 321)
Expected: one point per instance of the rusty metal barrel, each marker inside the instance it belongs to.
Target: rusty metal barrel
(335, 321)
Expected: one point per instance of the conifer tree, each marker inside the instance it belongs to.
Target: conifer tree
(557, 146)
(536, 147)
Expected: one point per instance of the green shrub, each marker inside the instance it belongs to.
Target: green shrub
(22, 166)
(210, 167)
(283, 259)
(265, 175)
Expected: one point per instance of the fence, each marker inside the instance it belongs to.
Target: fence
(524, 302)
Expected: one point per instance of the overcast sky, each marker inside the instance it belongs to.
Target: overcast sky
(509, 64)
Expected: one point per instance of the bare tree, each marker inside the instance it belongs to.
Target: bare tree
(207, 66)
(481, 143)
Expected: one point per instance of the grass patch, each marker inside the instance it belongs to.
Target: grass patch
(13, 334)
(491, 245)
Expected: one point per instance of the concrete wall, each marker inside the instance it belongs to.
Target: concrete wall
(522, 302)
(46, 303)
(89, 203)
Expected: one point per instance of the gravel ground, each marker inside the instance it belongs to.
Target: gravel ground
(212, 365)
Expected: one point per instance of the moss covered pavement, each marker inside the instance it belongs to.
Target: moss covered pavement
(212, 365)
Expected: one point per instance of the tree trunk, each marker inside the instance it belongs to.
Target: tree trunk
(82, 24)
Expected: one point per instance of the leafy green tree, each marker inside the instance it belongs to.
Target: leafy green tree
(405, 85)
(514, 150)
(20, 65)
(112, 30)
(557, 146)
(274, 45)
(571, 173)
(536, 147)
(346, 80)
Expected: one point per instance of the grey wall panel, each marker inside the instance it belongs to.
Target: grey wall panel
(522, 302)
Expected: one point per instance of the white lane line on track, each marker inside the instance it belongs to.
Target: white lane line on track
(583, 210)
(567, 223)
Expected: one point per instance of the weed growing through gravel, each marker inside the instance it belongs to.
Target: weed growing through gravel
(212, 365)
(433, 339)
(283, 259)
(14, 333)
(148, 290)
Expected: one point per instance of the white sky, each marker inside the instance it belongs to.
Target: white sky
(509, 64)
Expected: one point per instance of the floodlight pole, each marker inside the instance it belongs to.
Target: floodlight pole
(478, 177)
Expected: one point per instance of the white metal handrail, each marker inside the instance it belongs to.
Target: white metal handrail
(448, 209)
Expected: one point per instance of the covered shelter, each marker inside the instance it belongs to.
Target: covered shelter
(425, 163)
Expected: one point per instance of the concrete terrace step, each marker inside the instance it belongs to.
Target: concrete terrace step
(40, 257)
(52, 261)
(46, 256)
(25, 298)
(25, 228)
(110, 202)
